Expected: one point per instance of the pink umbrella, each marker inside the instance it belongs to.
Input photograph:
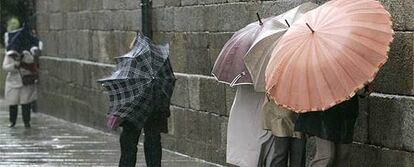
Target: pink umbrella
(329, 54)
(229, 67)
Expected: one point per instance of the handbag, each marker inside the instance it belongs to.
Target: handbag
(30, 79)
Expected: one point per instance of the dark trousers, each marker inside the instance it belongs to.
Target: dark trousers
(25, 113)
(286, 150)
(129, 141)
(330, 154)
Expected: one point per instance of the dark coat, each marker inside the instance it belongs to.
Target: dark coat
(335, 124)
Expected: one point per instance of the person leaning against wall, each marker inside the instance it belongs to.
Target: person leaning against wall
(333, 130)
(20, 86)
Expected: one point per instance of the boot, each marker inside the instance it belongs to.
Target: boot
(12, 115)
(26, 115)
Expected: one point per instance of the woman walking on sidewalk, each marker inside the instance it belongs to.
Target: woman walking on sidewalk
(19, 63)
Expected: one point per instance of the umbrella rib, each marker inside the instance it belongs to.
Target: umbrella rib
(357, 26)
(342, 67)
(355, 53)
(344, 71)
(324, 74)
(335, 21)
(289, 61)
(362, 45)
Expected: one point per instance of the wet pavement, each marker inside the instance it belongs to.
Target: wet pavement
(53, 142)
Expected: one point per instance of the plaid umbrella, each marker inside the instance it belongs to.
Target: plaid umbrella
(142, 83)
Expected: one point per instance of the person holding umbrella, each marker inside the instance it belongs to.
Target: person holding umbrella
(322, 64)
(333, 130)
(285, 147)
(241, 63)
(140, 90)
(21, 67)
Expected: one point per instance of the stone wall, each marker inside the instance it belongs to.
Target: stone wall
(82, 37)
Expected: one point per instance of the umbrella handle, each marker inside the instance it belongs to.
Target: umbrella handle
(237, 78)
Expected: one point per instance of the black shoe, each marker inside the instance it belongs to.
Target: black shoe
(11, 125)
(27, 125)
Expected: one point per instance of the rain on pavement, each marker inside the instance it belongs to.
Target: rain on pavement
(53, 142)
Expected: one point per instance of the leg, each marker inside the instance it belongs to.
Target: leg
(13, 115)
(342, 158)
(129, 141)
(26, 114)
(278, 155)
(325, 153)
(152, 146)
(34, 106)
(297, 152)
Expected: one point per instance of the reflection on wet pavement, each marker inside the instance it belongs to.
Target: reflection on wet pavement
(53, 143)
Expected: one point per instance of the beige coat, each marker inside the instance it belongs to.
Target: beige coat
(279, 120)
(15, 92)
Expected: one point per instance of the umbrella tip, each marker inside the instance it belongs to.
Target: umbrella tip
(258, 18)
(287, 23)
(310, 27)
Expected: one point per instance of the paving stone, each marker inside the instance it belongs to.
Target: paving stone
(54, 142)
